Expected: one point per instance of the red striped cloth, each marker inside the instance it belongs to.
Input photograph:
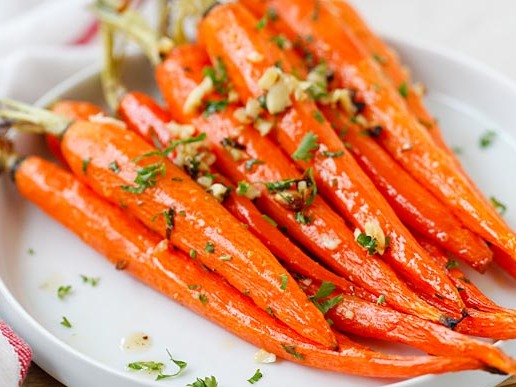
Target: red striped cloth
(15, 356)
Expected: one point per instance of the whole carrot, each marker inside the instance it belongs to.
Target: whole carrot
(229, 33)
(136, 250)
(121, 167)
(415, 205)
(146, 117)
(402, 136)
(327, 235)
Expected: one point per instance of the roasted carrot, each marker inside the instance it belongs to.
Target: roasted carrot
(146, 117)
(353, 315)
(415, 205)
(229, 33)
(136, 250)
(327, 236)
(72, 109)
(121, 167)
(504, 260)
(402, 136)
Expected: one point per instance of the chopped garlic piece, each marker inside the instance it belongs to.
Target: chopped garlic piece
(253, 108)
(329, 242)
(349, 314)
(419, 89)
(263, 126)
(374, 230)
(361, 120)
(269, 78)
(101, 118)
(262, 356)
(195, 97)
(343, 98)
(252, 192)
(254, 57)
(205, 181)
(236, 154)
(241, 116)
(181, 132)
(233, 96)
(278, 98)
(218, 191)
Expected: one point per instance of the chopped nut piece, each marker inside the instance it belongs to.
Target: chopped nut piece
(195, 97)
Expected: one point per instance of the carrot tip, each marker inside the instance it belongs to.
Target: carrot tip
(494, 370)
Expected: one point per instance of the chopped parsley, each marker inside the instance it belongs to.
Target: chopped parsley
(209, 248)
(452, 264)
(90, 280)
(65, 322)
(242, 188)
(381, 300)
(486, 140)
(225, 258)
(332, 155)
(150, 366)
(170, 220)
(194, 287)
(209, 381)
(380, 59)
(31, 251)
(250, 163)
(212, 107)
(280, 40)
(64, 291)
(318, 116)
(291, 350)
(368, 243)
(284, 281)
(203, 298)
(404, 90)
(457, 150)
(465, 280)
(85, 164)
(181, 364)
(193, 253)
(498, 205)
(270, 220)
(306, 147)
(256, 377)
(325, 290)
(218, 75)
(174, 144)
(262, 23)
(146, 177)
(114, 167)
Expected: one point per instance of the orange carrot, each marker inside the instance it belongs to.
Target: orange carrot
(345, 258)
(229, 33)
(402, 136)
(353, 315)
(144, 116)
(121, 167)
(136, 250)
(415, 206)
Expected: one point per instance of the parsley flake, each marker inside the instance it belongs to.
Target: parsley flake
(64, 322)
(212, 107)
(64, 291)
(218, 75)
(114, 167)
(380, 59)
(452, 264)
(500, 207)
(250, 163)
(270, 220)
(193, 254)
(381, 300)
(404, 90)
(209, 247)
(90, 280)
(85, 164)
(284, 281)
(368, 243)
(256, 377)
(307, 145)
(181, 364)
(203, 298)
(332, 155)
(486, 140)
(31, 251)
(318, 116)
(209, 381)
(291, 350)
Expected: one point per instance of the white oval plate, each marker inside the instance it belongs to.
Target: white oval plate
(467, 98)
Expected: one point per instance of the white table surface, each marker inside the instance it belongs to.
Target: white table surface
(482, 29)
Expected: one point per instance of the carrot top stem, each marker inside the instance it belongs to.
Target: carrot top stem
(112, 86)
(131, 24)
(32, 119)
